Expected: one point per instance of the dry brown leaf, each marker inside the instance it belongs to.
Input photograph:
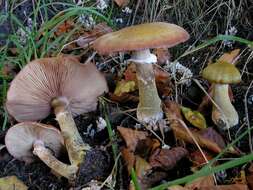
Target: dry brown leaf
(141, 167)
(230, 57)
(177, 187)
(249, 177)
(163, 55)
(89, 36)
(129, 159)
(8, 70)
(225, 187)
(172, 112)
(131, 137)
(121, 3)
(198, 159)
(65, 27)
(167, 159)
(200, 182)
(213, 136)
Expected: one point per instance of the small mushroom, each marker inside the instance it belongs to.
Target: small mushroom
(27, 140)
(63, 83)
(139, 39)
(222, 74)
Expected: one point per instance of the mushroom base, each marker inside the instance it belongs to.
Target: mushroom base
(149, 107)
(75, 146)
(68, 171)
(225, 115)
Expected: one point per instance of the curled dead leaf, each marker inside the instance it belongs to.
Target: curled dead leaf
(131, 137)
(129, 159)
(167, 159)
(182, 132)
(198, 159)
(163, 55)
(230, 57)
(121, 3)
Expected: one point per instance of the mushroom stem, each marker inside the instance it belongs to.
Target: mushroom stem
(68, 171)
(225, 114)
(75, 146)
(149, 107)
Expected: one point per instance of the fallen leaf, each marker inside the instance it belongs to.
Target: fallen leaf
(121, 3)
(129, 159)
(177, 187)
(240, 178)
(194, 117)
(201, 182)
(65, 27)
(230, 57)
(11, 183)
(172, 112)
(198, 159)
(8, 70)
(141, 167)
(131, 137)
(124, 97)
(212, 135)
(124, 86)
(224, 187)
(89, 36)
(130, 72)
(163, 55)
(167, 159)
(249, 176)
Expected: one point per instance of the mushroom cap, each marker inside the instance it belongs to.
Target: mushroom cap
(222, 73)
(139, 37)
(19, 139)
(32, 90)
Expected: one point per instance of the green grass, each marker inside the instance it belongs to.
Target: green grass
(41, 40)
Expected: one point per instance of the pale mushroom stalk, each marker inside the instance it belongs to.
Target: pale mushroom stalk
(68, 171)
(75, 146)
(149, 107)
(225, 114)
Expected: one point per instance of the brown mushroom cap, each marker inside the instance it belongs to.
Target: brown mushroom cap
(20, 138)
(139, 37)
(31, 92)
(222, 73)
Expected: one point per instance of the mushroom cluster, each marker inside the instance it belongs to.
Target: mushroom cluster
(61, 83)
(140, 39)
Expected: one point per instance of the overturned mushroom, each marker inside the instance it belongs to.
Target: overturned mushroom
(63, 83)
(222, 74)
(27, 139)
(139, 39)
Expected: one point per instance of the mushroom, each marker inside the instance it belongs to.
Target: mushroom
(222, 74)
(63, 83)
(139, 39)
(27, 140)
